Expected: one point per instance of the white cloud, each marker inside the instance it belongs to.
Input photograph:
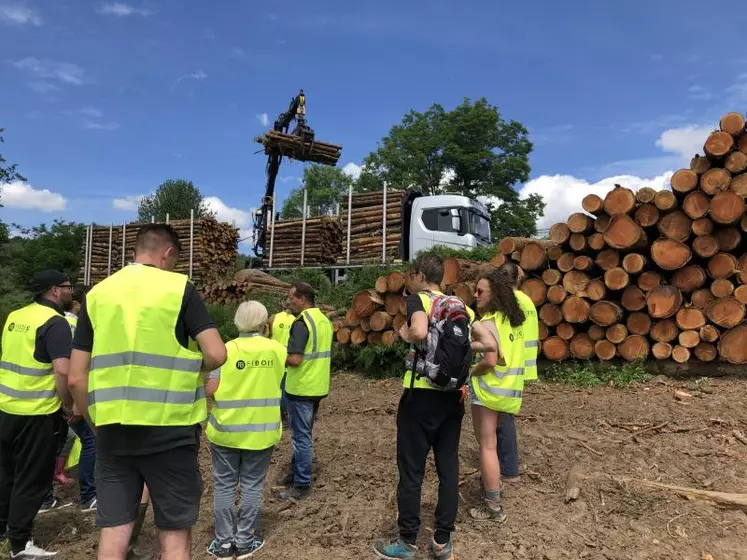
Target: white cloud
(563, 193)
(128, 203)
(98, 125)
(225, 213)
(65, 72)
(23, 195)
(198, 76)
(121, 9)
(352, 169)
(14, 14)
(685, 141)
(263, 119)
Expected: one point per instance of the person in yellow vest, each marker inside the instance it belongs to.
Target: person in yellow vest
(280, 325)
(243, 428)
(428, 417)
(133, 375)
(34, 367)
(307, 383)
(497, 383)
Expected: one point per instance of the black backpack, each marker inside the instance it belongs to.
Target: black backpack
(445, 357)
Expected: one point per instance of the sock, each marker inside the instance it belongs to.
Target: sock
(17, 546)
(441, 537)
(493, 495)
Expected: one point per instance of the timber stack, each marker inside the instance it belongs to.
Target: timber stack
(245, 283)
(215, 248)
(323, 242)
(297, 148)
(368, 227)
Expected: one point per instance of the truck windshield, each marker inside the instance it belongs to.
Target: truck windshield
(479, 226)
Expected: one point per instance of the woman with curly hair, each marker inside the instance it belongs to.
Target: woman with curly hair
(497, 382)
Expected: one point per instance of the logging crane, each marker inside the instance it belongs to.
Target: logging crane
(300, 144)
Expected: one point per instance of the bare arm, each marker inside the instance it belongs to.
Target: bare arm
(77, 380)
(61, 371)
(213, 349)
(484, 341)
(294, 360)
(417, 330)
(211, 387)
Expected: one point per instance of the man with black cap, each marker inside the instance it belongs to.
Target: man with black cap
(36, 345)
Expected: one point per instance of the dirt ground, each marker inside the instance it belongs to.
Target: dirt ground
(642, 433)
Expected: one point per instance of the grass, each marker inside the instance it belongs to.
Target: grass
(589, 374)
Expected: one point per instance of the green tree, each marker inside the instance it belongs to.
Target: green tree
(175, 197)
(517, 218)
(325, 186)
(8, 173)
(59, 246)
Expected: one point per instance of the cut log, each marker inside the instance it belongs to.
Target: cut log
(608, 259)
(366, 302)
(706, 352)
(705, 246)
(633, 299)
(645, 195)
(727, 208)
(544, 331)
(392, 303)
(680, 354)
(633, 348)
(554, 252)
(464, 291)
(709, 333)
(559, 233)
(670, 254)
(675, 225)
(565, 262)
(595, 290)
(374, 338)
(565, 331)
(582, 347)
(551, 277)
(742, 143)
(577, 242)
(398, 321)
(726, 312)
(593, 204)
(719, 144)
(701, 298)
(508, 245)
(555, 349)
(536, 289)
(661, 350)
(703, 226)
(664, 331)
(575, 282)
(663, 302)
(722, 288)
(533, 256)
(602, 223)
(556, 294)
(358, 336)
(605, 313)
(366, 324)
(388, 338)
(649, 280)
(575, 310)
(690, 318)
(700, 164)
(689, 278)
(461, 270)
(619, 201)
(684, 180)
(343, 335)
(498, 260)
(616, 333)
(634, 263)
(741, 293)
(736, 162)
(722, 265)
(623, 233)
(579, 222)
(595, 241)
(381, 285)
(665, 201)
(596, 332)
(732, 123)
(583, 263)
(352, 319)
(605, 350)
(638, 323)
(742, 269)
(732, 346)
(739, 184)
(380, 321)
(616, 278)
(647, 215)
(715, 180)
(395, 282)
(696, 205)
(728, 238)
(689, 339)
(550, 314)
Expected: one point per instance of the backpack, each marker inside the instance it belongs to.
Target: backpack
(445, 357)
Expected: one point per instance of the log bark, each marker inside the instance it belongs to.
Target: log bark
(605, 350)
(728, 238)
(395, 282)
(689, 278)
(696, 204)
(619, 201)
(645, 195)
(664, 331)
(593, 204)
(715, 180)
(736, 162)
(663, 302)
(703, 226)
(596, 332)
(616, 279)
(638, 323)
(684, 181)
(565, 262)
(722, 265)
(550, 314)
(700, 164)
(634, 263)
(556, 349)
(719, 144)
(623, 233)
(565, 331)
(551, 277)
(649, 280)
(675, 225)
(365, 303)
(575, 282)
(582, 347)
(690, 318)
(680, 354)
(732, 346)
(616, 333)
(605, 313)
(556, 294)
(647, 215)
(575, 310)
(608, 259)
(722, 288)
(634, 348)
(665, 201)
(727, 208)
(689, 339)
(709, 333)
(661, 350)
(533, 256)
(670, 254)
(706, 352)
(633, 299)
(732, 123)
(559, 233)
(726, 312)
(705, 246)
(536, 289)
(701, 298)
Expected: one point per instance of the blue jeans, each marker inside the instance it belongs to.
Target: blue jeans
(302, 416)
(87, 461)
(508, 449)
(283, 396)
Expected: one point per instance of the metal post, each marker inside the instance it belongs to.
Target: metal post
(152, 219)
(124, 243)
(303, 227)
(272, 231)
(383, 229)
(191, 239)
(86, 255)
(350, 216)
(337, 210)
(90, 255)
(109, 260)
(167, 218)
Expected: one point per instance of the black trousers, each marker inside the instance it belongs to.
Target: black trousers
(428, 419)
(27, 452)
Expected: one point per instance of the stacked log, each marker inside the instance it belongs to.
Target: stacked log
(668, 278)
(368, 230)
(245, 282)
(215, 248)
(323, 242)
(295, 147)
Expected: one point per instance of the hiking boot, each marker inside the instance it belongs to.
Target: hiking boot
(244, 552)
(442, 551)
(89, 505)
(509, 478)
(225, 550)
(53, 504)
(393, 550)
(295, 493)
(488, 511)
(32, 552)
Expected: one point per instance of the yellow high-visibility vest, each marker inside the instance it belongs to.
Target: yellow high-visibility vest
(27, 386)
(281, 327)
(140, 374)
(502, 388)
(311, 378)
(246, 414)
(531, 335)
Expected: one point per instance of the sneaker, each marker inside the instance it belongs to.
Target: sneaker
(488, 511)
(223, 551)
(244, 552)
(516, 478)
(295, 493)
(53, 504)
(90, 505)
(393, 550)
(442, 551)
(31, 552)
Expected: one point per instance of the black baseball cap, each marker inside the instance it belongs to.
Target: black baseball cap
(47, 279)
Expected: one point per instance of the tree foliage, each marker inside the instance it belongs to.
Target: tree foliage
(325, 187)
(8, 173)
(175, 197)
(517, 218)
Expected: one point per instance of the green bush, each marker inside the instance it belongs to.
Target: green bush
(379, 362)
(591, 374)
(485, 254)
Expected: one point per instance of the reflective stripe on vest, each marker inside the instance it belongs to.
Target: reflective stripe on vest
(27, 386)
(281, 327)
(246, 414)
(73, 322)
(531, 335)
(140, 375)
(311, 378)
(501, 389)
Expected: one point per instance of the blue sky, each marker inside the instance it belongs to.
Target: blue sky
(102, 101)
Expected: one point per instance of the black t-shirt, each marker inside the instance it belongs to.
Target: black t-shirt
(54, 337)
(116, 439)
(414, 304)
(299, 336)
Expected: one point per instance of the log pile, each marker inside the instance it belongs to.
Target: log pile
(215, 248)
(648, 273)
(367, 226)
(295, 147)
(323, 242)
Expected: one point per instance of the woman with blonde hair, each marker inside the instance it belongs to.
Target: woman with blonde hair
(243, 428)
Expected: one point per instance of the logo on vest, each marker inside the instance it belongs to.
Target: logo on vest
(18, 328)
(241, 364)
(511, 337)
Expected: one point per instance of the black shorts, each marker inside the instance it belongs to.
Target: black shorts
(173, 479)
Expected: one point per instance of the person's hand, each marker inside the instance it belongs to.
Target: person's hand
(74, 415)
